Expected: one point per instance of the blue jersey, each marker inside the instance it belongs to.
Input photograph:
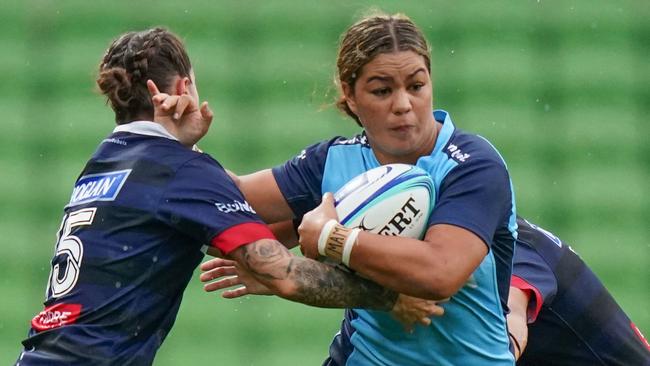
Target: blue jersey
(132, 234)
(473, 192)
(573, 320)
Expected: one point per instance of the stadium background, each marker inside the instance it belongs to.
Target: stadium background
(560, 87)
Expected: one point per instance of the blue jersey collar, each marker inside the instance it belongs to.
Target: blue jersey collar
(445, 132)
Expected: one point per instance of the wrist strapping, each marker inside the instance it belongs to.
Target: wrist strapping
(324, 235)
(336, 241)
(349, 243)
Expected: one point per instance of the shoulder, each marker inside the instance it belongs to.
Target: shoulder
(359, 140)
(543, 242)
(468, 148)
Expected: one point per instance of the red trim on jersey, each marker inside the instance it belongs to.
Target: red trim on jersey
(535, 305)
(242, 234)
(640, 335)
(56, 316)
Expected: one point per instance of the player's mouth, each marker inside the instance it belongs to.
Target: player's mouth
(402, 129)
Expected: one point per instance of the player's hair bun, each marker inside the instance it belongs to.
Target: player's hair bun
(115, 83)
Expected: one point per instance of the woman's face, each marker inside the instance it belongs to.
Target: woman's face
(393, 99)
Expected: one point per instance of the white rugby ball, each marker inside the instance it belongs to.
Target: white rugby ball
(393, 199)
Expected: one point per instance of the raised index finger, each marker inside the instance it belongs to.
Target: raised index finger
(153, 89)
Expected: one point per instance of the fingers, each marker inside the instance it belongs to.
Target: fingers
(181, 105)
(217, 272)
(153, 89)
(222, 284)
(215, 263)
(234, 293)
(328, 198)
(426, 321)
(206, 112)
(437, 311)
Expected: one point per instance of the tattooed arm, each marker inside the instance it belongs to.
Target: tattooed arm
(308, 281)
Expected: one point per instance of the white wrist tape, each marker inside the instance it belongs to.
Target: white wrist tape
(349, 244)
(324, 235)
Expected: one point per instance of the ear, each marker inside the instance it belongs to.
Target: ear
(348, 92)
(182, 85)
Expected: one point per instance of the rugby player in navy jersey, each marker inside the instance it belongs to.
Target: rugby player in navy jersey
(141, 212)
(561, 314)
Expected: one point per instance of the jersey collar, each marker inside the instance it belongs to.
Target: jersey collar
(145, 128)
(445, 132)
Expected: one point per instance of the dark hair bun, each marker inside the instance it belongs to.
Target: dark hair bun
(116, 85)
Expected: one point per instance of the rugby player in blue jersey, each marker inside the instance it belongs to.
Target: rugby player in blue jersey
(561, 314)
(140, 215)
(384, 75)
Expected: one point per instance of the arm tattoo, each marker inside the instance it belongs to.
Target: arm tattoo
(320, 283)
(314, 283)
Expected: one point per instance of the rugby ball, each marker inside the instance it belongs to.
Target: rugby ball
(393, 199)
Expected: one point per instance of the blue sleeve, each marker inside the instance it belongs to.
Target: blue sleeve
(475, 195)
(300, 179)
(202, 201)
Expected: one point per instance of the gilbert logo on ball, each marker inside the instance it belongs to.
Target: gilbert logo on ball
(393, 199)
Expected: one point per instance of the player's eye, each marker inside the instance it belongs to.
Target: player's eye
(417, 87)
(380, 92)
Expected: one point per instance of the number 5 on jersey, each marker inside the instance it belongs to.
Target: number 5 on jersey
(69, 252)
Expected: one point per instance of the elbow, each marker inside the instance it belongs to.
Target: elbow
(440, 293)
(438, 288)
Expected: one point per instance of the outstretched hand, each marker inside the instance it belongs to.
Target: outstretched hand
(312, 224)
(410, 311)
(227, 274)
(190, 120)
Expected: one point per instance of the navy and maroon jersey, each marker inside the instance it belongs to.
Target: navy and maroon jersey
(136, 226)
(471, 180)
(573, 320)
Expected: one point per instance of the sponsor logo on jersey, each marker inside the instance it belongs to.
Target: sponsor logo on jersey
(113, 140)
(98, 187)
(55, 316)
(360, 139)
(234, 206)
(456, 153)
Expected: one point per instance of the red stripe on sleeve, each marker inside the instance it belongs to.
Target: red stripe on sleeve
(242, 234)
(535, 305)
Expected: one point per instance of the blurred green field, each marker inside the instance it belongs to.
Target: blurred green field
(561, 88)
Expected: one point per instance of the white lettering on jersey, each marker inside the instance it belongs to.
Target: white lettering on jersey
(457, 154)
(98, 187)
(234, 207)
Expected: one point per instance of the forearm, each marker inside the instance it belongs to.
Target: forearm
(518, 320)
(310, 282)
(322, 285)
(285, 233)
(405, 265)
(435, 268)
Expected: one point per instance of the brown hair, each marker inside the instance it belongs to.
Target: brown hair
(134, 57)
(369, 37)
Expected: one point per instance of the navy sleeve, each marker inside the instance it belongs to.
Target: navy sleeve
(202, 201)
(530, 272)
(300, 178)
(475, 195)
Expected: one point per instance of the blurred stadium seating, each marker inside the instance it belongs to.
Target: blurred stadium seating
(561, 88)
